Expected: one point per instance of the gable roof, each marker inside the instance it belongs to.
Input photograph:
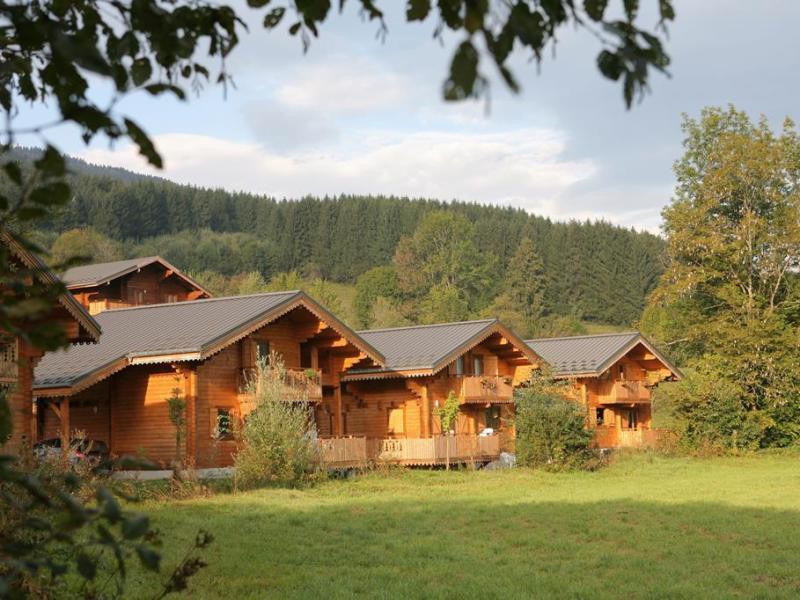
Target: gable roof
(429, 348)
(592, 355)
(101, 273)
(176, 332)
(47, 277)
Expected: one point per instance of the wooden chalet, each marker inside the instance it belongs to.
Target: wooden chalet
(18, 358)
(613, 375)
(133, 282)
(390, 409)
(116, 391)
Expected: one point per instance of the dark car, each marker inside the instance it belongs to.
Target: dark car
(94, 452)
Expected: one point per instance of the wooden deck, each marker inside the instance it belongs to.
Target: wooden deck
(486, 389)
(356, 451)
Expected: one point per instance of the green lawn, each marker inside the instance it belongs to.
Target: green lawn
(644, 527)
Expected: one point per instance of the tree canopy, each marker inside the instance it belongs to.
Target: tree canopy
(729, 295)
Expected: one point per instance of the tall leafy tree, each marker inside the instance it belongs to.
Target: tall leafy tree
(733, 252)
(441, 265)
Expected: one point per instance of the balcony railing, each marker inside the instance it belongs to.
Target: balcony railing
(297, 385)
(410, 451)
(628, 391)
(487, 388)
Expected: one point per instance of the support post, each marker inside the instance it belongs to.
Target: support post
(65, 427)
(190, 394)
(339, 412)
(426, 411)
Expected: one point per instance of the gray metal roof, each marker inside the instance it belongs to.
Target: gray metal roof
(158, 329)
(44, 274)
(100, 273)
(423, 346)
(583, 354)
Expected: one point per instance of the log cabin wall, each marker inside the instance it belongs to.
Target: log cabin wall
(149, 285)
(19, 383)
(89, 411)
(387, 408)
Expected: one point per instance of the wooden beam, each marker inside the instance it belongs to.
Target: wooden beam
(65, 437)
(426, 411)
(339, 412)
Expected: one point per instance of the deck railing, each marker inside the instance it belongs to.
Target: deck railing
(298, 384)
(410, 451)
(629, 391)
(487, 388)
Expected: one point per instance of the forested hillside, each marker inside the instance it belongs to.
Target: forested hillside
(592, 271)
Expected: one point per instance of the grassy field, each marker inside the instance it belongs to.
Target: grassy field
(644, 527)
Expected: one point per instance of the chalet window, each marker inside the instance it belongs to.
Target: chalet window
(477, 365)
(262, 352)
(171, 298)
(223, 424)
(622, 371)
(598, 415)
(136, 296)
(459, 367)
(396, 421)
(493, 417)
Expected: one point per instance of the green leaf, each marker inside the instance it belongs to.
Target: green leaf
(54, 193)
(141, 70)
(418, 10)
(51, 162)
(273, 17)
(87, 567)
(667, 10)
(13, 171)
(464, 81)
(146, 147)
(135, 526)
(111, 509)
(257, 3)
(595, 9)
(149, 557)
(610, 64)
(159, 88)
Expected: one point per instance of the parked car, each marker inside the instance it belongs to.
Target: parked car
(94, 452)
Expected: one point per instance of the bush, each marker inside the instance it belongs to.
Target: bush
(278, 439)
(551, 428)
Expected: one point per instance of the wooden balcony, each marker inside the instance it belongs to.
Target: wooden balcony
(298, 385)
(627, 392)
(486, 389)
(341, 452)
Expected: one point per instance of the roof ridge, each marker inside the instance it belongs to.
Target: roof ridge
(200, 301)
(363, 331)
(581, 337)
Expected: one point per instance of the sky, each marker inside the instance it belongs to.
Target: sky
(356, 115)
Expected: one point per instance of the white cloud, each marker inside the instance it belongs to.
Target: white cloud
(520, 168)
(344, 84)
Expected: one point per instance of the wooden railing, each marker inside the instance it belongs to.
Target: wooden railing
(350, 451)
(298, 384)
(487, 388)
(355, 451)
(629, 391)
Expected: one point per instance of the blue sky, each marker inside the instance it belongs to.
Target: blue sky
(355, 115)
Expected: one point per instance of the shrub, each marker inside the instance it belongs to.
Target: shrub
(551, 428)
(278, 439)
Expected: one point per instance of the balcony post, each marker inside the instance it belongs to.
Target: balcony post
(65, 438)
(426, 411)
(339, 412)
